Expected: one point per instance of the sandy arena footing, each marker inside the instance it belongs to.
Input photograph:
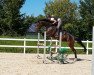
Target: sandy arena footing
(29, 64)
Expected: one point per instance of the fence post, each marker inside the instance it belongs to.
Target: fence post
(24, 45)
(92, 52)
(44, 57)
(38, 43)
(87, 47)
(60, 39)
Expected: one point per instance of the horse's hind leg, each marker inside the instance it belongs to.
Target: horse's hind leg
(74, 51)
(71, 45)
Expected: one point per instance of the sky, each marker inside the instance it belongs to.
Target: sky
(36, 7)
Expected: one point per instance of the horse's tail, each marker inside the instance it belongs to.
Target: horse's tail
(80, 43)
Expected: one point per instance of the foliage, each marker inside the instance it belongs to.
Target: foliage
(12, 19)
(71, 28)
(67, 11)
(76, 19)
(63, 9)
(40, 17)
(86, 10)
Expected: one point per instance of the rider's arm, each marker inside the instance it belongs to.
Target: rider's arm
(54, 21)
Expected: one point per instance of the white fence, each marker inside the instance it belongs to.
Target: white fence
(25, 46)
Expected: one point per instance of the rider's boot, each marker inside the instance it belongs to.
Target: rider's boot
(57, 35)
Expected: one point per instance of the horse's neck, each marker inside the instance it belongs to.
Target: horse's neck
(47, 23)
(46, 20)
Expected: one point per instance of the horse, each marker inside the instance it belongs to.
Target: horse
(51, 31)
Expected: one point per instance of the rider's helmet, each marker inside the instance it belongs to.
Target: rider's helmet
(52, 15)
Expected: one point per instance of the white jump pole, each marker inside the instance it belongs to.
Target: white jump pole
(50, 44)
(56, 46)
(44, 57)
(38, 43)
(93, 53)
(60, 39)
(51, 41)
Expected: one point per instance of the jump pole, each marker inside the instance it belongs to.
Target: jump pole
(93, 52)
(60, 39)
(56, 45)
(50, 44)
(44, 56)
(38, 44)
(51, 41)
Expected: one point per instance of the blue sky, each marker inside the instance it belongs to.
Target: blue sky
(36, 7)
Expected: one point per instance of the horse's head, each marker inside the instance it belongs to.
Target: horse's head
(43, 23)
(38, 25)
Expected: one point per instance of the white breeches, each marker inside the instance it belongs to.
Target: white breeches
(59, 22)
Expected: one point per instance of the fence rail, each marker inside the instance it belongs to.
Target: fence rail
(25, 46)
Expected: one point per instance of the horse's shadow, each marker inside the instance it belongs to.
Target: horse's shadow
(79, 59)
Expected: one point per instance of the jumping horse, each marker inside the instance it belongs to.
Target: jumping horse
(51, 31)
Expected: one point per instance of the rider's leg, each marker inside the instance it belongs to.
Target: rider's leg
(59, 23)
(59, 26)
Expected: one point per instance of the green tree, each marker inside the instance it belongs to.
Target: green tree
(63, 9)
(12, 20)
(28, 20)
(39, 17)
(2, 30)
(87, 16)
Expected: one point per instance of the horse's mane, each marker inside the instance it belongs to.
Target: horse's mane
(45, 20)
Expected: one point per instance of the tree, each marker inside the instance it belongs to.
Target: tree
(87, 16)
(63, 9)
(68, 12)
(40, 17)
(12, 20)
(2, 30)
(28, 20)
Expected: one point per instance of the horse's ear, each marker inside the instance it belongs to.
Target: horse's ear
(38, 21)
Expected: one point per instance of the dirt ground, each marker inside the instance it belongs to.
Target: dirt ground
(29, 64)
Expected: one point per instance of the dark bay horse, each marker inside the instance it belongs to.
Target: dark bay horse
(52, 32)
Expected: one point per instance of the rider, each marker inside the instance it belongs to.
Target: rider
(52, 19)
(59, 21)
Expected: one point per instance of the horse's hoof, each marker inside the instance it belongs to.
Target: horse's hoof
(75, 59)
